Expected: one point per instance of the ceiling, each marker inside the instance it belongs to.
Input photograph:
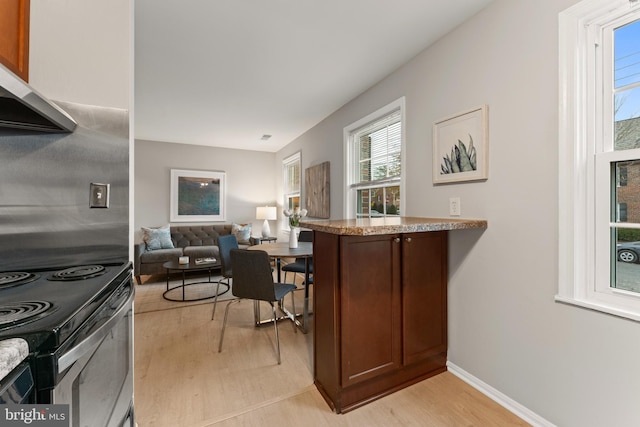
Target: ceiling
(224, 73)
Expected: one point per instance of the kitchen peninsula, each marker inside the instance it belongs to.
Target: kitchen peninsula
(380, 304)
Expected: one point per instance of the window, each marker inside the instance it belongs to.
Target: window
(374, 159)
(600, 138)
(291, 186)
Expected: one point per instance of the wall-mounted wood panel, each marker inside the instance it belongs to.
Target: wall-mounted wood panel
(317, 191)
(14, 36)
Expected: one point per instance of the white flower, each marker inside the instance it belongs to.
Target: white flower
(294, 216)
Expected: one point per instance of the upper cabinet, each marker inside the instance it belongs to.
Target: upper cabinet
(14, 36)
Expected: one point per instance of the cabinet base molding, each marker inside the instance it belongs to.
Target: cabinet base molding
(342, 400)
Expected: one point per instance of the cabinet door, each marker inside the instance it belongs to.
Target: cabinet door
(14, 36)
(424, 295)
(370, 306)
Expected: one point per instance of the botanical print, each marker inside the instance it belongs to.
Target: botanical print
(460, 145)
(461, 160)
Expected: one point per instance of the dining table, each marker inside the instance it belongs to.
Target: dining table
(278, 251)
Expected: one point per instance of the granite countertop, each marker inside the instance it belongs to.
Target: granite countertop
(391, 225)
(12, 352)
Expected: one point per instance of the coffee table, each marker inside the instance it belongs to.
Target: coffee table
(185, 268)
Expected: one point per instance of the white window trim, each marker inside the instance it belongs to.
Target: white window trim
(297, 156)
(349, 209)
(577, 166)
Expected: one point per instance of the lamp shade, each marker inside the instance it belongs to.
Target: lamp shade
(266, 213)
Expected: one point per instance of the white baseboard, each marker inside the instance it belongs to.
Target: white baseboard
(502, 399)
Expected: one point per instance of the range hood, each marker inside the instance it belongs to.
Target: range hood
(22, 107)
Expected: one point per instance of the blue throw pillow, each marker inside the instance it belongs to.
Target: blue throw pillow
(157, 238)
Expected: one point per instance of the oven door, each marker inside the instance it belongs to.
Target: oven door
(98, 382)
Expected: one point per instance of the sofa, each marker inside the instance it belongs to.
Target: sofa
(196, 241)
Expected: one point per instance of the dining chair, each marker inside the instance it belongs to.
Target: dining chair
(226, 243)
(298, 265)
(253, 279)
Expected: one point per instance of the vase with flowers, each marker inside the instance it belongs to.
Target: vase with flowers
(294, 222)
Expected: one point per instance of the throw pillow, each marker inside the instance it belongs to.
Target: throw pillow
(157, 238)
(242, 233)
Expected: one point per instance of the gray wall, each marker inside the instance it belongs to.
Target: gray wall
(570, 366)
(250, 181)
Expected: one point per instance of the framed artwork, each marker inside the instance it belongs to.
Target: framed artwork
(460, 147)
(317, 191)
(197, 196)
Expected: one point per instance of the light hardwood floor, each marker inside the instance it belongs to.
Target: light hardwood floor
(182, 380)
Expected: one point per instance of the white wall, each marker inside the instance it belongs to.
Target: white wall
(80, 51)
(250, 179)
(570, 366)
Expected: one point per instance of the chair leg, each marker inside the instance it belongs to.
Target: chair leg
(294, 277)
(275, 324)
(256, 312)
(293, 307)
(215, 301)
(224, 322)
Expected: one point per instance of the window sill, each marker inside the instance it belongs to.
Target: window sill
(604, 308)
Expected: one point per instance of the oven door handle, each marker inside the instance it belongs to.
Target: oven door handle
(93, 340)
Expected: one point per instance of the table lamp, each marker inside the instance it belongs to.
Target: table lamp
(267, 213)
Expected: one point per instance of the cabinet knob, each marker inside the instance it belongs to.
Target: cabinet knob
(408, 239)
(397, 240)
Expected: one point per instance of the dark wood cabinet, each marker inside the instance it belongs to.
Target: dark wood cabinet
(14, 36)
(424, 295)
(369, 302)
(380, 313)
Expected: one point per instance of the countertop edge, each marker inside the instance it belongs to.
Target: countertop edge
(403, 225)
(12, 352)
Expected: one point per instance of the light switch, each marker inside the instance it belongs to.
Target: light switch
(99, 195)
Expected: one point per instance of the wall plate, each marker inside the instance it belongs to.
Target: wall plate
(99, 195)
(454, 206)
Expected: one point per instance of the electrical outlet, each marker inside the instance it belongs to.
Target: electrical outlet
(454, 206)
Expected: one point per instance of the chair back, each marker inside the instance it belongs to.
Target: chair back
(305, 236)
(226, 243)
(252, 276)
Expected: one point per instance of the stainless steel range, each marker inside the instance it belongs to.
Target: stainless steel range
(78, 322)
(65, 278)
